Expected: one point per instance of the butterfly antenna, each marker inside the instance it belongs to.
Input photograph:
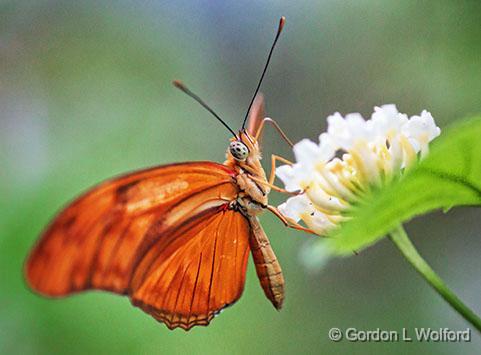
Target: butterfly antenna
(180, 85)
(282, 21)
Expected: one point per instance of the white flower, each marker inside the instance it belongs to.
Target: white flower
(420, 130)
(387, 120)
(345, 131)
(300, 207)
(308, 155)
(373, 152)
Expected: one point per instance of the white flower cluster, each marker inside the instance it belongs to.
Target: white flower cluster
(351, 158)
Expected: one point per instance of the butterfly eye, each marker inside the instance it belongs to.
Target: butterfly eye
(239, 150)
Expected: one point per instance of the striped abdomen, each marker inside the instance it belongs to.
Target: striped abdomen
(267, 267)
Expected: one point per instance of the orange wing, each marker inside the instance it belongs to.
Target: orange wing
(196, 271)
(100, 239)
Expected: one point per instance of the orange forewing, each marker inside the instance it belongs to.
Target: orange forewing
(119, 235)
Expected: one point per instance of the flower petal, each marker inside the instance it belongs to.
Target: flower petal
(295, 206)
(287, 176)
(307, 152)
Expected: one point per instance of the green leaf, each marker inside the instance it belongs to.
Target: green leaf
(449, 176)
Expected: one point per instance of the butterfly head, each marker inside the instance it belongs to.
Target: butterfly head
(243, 148)
(238, 150)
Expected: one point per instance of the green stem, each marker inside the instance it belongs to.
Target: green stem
(402, 241)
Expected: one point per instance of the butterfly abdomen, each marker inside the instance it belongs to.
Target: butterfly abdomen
(267, 266)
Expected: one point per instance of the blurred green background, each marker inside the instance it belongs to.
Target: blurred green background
(85, 94)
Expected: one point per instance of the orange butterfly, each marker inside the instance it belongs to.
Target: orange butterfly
(173, 238)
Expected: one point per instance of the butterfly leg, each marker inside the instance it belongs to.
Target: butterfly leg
(274, 187)
(274, 159)
(288, 222)
(276, 126)
(272, 176)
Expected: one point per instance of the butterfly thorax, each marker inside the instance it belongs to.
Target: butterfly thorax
(252, 198)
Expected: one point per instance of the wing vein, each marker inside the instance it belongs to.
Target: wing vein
(212, 269)
(195, 287)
